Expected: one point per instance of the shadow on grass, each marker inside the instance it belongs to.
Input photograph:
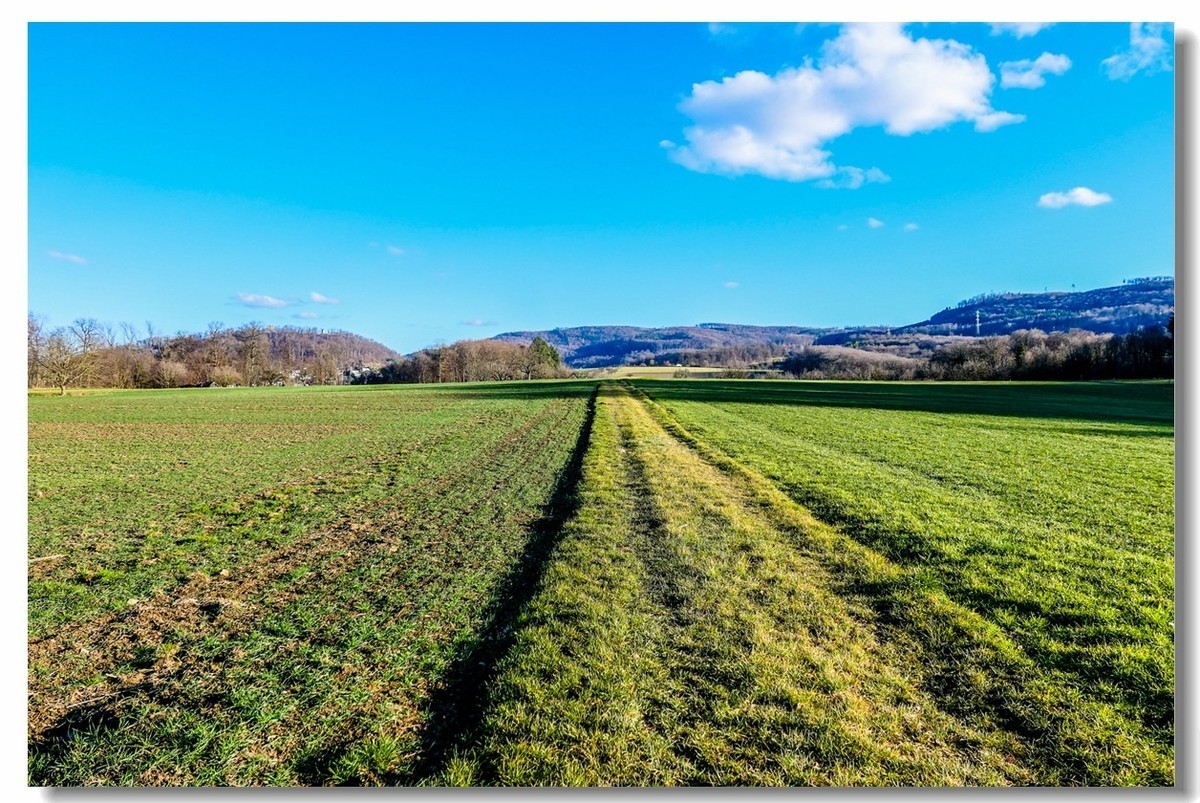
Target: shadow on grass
(457, 706)
(52, 748)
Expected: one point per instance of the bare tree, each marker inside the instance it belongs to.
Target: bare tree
(254, 351)
(63, 361)
(37, 345)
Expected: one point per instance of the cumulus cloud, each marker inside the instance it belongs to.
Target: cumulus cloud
(1149, 52)
(730, 285)
(1031, 74)
(911, 227)
(78, 260)
(395, 251)
(875, 223)
(1019, 29)
(320, 299)
(255, 300)
(1079, 196)
(869, 75)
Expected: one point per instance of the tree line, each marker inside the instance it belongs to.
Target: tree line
(88, 353)
(1028, 354)
(470, 361)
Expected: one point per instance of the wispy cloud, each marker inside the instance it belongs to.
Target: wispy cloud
(875, 223)
(1031, 74)
(1019, 29)
(78, 260)
(779, 125)
(1149, 52)
(911, 227)
(730, 285)
(478, 322)
(716, 29)
(842, 227)
(307, 315)
(1079, 196)
(395, 250)
(320, 299)
(255, 300)
(851, 178)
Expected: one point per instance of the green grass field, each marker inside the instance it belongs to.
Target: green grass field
(654, 372)
(627, 583)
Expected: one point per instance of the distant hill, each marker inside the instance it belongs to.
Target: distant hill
(1137, 303)
(598, 346)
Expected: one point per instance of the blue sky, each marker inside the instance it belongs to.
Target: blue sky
(427, 182)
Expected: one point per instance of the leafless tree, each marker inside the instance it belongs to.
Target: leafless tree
(68, 356)
(37, 345)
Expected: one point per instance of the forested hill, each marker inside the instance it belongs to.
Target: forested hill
(594, 346)
(1136, 304)
(93, 354)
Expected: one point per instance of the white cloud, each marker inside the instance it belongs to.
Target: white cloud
(720, 28)
(992, 120)
(851, 178)
(395, 251)
(911, 227)
(875, 223)
(842, 227)
(870, 75)
(78, 260)
(730, 285)
(1019, 29)
(1079, 196)
(255, 300)
(307, 315)
(1149, 52)
(1027, 74)
(320, 299)
(477, 322)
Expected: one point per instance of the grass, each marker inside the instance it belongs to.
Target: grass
(678, 637)
(656, 372)
(1052, 525)
(676, 583)
(296, 639)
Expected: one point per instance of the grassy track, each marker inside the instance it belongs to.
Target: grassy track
(679, 637)
(680, 582)
(698, 625)
(323, 600)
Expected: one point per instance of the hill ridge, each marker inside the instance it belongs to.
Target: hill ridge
(1120, 309)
